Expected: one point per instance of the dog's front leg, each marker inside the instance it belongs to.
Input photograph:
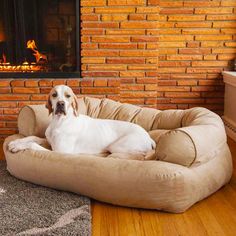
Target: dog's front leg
(31, 142)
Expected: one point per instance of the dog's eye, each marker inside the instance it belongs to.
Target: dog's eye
(54, 95)
(68, 95)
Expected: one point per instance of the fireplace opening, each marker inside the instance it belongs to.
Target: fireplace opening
(39, 38)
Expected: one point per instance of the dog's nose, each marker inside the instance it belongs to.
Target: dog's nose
(61, 104)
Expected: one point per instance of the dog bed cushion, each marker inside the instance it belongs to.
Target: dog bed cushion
(192, 158)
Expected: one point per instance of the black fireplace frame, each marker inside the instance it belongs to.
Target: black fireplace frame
(75, 74)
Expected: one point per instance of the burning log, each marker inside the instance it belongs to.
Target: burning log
(38, 56)
(25, 66)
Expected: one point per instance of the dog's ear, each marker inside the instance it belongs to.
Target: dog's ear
(75, 105)
(49, 105)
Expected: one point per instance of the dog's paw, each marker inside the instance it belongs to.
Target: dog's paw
(16, 146)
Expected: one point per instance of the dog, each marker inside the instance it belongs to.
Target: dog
(74, 133)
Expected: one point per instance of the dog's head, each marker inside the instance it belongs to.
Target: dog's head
(61, 101)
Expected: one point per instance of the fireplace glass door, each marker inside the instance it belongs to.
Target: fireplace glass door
(39, 38)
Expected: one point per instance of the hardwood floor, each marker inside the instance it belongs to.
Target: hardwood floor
(215, 216)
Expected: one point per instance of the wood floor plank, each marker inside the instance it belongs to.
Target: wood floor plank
(224, 214)
(151, 223)
(210, 223)
(167, 223)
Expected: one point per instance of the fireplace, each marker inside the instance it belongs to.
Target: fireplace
(39, 38)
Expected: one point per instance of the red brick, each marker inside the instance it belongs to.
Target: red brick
(182, 94)
(136, 101)
(73, 82)
(194, 51)
(31, 83)
(99, 74)
(8, 104)
(13, 97)
(5, 90)
(19, 83)
(89, 17)
(100, 82)
(173, 88)
(99, 53)
(143, 39)
(113, 82)
(188, 100)
(26, 90)
(9, 117)
(125, 60)
(98, 90)
(4, 83)
(102, 25)
(45, 83)
(206, 3)
(166, 106)
(58, 82)
(166, 82)
(45, 90)
(118, 46)
(8, 131)
(169, 11)
(132, 87)
(40, 97)
(10, 111)
(138, 94)
(87, 83)
(11, 124)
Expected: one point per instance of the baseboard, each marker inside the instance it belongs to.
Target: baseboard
(230, 128)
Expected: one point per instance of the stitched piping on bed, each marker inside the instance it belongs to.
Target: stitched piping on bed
(128, 116)
(135, 114)
(102, 107)
(181, 122)
(157, 158)
(214, 151)
(158, 112)
(178, 129)
(210, 114)
(195, 148)
(88, 106)
(155, 120)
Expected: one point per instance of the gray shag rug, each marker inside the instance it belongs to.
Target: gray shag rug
(28, 209)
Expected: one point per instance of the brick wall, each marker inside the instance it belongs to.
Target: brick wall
(197, 42)
(121, 43)
(120, 39)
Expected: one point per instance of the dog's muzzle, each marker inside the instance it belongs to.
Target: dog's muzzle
(60, 108)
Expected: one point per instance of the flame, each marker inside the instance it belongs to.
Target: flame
(25, 66)
(4, 58)
(38, 56)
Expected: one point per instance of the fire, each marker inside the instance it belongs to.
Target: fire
(25, 66)
(4, 58)
(38, 56)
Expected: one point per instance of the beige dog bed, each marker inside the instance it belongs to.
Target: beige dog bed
(192, 158)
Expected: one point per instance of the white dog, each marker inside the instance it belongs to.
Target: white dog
(70, 132)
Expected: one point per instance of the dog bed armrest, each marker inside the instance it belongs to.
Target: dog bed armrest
(33, 120)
